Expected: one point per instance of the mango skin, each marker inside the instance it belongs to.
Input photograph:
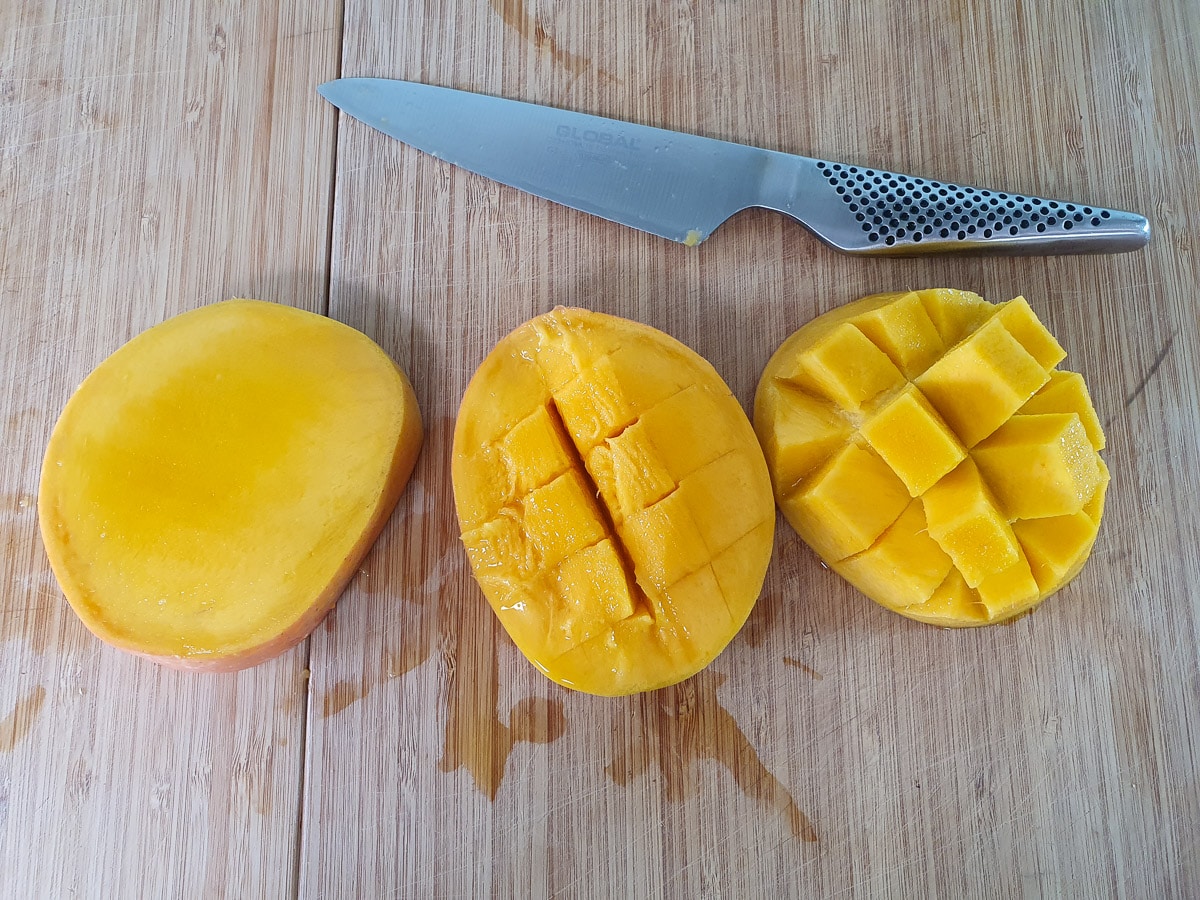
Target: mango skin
(212, 486)
(614, 501)
(928, 448)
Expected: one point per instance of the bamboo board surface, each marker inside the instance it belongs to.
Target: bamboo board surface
(153, 160)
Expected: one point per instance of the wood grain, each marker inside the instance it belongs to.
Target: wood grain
(152, 161)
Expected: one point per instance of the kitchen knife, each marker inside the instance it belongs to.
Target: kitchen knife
(682, 186)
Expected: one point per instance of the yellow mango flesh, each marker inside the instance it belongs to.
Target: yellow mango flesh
(927, 447)
(210, 488)
(614, 501)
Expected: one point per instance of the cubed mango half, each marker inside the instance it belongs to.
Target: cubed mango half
(926, 445)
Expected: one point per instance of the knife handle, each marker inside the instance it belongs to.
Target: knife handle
(873, 212)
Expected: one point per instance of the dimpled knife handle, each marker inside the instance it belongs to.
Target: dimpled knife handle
(869, 211)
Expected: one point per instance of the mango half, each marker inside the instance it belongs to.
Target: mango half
(614, 502)
(928, 448)
(211, 487)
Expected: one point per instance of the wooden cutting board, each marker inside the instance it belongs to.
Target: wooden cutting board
(155, 157)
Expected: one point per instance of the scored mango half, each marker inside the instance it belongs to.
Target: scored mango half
(928, 448)
(614, 501)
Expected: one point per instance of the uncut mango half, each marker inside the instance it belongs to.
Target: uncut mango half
(614, 501)
(928, 447)
(210, 488)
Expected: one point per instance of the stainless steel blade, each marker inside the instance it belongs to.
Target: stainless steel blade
(682, 186)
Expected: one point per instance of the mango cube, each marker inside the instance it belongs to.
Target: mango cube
(689, 429)
(665, 541)
(905, 565)
(844, 507)
(561, 518)
(733, 566)
(1056, 547)
(1094, 508)
(592, 405)
(595, 592)
(807, 431)
(1040, 465)
(914, 440)
(954, 314)
(1066, 392)
(979, 384)
(646, 376)
(693, 605)
(965, 521)
(1022, 323)
(845, 367)
(903, 330)
(629, 472)
(536, 451)
(1010, 591)
(953, 603)
(724, 500)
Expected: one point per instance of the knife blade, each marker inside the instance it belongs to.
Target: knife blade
(683, 186)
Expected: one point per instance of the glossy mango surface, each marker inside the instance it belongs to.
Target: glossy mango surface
(211, 486)
(928, 448)
(614, 501)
